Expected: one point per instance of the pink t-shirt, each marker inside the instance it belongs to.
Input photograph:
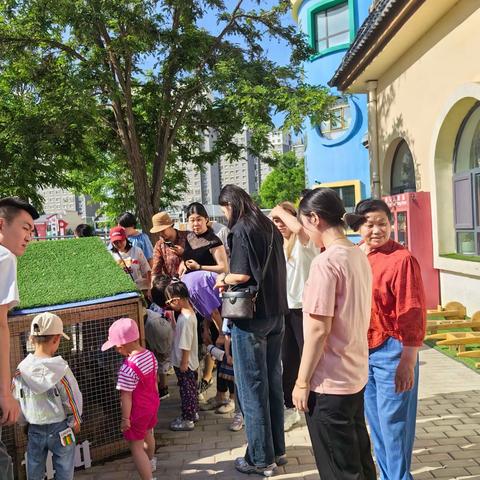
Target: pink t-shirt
(340, 286)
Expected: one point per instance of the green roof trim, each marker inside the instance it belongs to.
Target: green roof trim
(56, 272)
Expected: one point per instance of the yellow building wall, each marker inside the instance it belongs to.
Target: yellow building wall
(423, 99)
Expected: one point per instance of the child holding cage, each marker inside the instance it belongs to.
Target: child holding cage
(137, 382)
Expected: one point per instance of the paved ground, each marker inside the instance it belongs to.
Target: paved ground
(447, 444)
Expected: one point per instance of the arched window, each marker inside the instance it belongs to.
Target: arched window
(466, 184)
(403, 170)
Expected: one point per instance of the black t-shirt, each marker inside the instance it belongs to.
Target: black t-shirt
(248, 254)
(197, 247)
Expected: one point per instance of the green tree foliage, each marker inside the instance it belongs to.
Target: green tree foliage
(116, 95)
(284, 182)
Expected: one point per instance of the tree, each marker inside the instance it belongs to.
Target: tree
(149, 81)
(284, 183)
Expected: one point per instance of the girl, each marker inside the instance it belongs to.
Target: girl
(131, 259)
(299, 253)
(334, 367)
(137, 382)
(184, 355)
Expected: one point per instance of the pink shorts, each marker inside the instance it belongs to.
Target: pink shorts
(141, 423)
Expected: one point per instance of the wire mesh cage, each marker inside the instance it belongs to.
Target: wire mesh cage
(95, 371)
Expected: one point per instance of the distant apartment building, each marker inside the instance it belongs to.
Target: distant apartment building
(281, 142)
(57, 200)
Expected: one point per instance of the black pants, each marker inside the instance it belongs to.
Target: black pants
(340, 440)
(291, 352)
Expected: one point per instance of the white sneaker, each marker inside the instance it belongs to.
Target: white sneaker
(153, 462)
(292, 417)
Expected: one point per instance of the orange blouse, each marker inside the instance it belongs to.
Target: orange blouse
(398, 301)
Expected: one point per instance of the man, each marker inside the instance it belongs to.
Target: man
(16, 229)
(138, 239)
(168, 251)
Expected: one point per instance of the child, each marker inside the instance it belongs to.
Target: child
(159, 332)
(184, 355)
(137, 382)
(50, 400)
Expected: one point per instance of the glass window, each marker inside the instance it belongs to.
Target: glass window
(466, 184)
(347, 194)
(339, 122)
(332, 27)
(403, 170)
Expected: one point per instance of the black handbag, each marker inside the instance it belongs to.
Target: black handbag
(242, 304)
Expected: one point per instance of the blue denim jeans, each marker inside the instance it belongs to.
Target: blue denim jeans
(41, 440)
(257, 350)
(6, 466)
(391, 415)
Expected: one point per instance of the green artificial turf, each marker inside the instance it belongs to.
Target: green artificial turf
(55, 272)
(445, 349)
(459, 256)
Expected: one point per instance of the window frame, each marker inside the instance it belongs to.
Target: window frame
(341, 107)
(311, 25)
(474, 199)
(396, 189)
(356, 184)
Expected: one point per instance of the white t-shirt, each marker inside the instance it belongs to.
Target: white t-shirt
(298, 267)
(8, 278)
(135, 262)
(185, 338)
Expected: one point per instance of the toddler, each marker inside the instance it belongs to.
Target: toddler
(137, 382)
(50, 400)
(184, 354)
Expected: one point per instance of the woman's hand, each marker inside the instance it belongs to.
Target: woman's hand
(125, 424)
(192, 265)
(229, 360)
(220, 284)
(183, 367)
(177, 249)
(300, 398)
(405, 374)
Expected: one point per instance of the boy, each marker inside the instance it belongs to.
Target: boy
(16, 229)
(50, 400)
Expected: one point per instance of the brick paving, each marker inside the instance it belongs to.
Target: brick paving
(447, 444)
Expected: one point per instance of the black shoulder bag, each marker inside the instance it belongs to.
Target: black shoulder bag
(242, 304)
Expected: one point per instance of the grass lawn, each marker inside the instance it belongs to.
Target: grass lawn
(55, 272)
(445, 349)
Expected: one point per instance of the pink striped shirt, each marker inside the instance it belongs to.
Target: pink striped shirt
(127, 378)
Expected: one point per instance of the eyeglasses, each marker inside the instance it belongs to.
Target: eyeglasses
(170, 300)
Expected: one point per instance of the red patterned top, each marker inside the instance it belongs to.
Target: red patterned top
(165, 260)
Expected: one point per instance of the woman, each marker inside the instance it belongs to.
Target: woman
(397, 329)
(131, 259)
(299, 253)
(334, 367)
(203, 258)
(257, 342)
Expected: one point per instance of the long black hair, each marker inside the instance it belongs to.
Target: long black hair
(196, 208)
(243, 207)
(326, 203)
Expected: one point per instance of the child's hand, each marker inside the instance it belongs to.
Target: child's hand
(125, 425)
(76, 428)
(229, 360)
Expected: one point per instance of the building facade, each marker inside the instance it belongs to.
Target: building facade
(58, 200)
(335, 155)
(415, 60)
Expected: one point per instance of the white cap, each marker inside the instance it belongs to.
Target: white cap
(47, 324)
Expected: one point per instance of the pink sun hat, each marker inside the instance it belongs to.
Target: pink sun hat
(121, 332)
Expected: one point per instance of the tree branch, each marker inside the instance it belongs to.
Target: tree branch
(46, 41)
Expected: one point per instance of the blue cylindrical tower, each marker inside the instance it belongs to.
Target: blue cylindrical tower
(336, 155)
